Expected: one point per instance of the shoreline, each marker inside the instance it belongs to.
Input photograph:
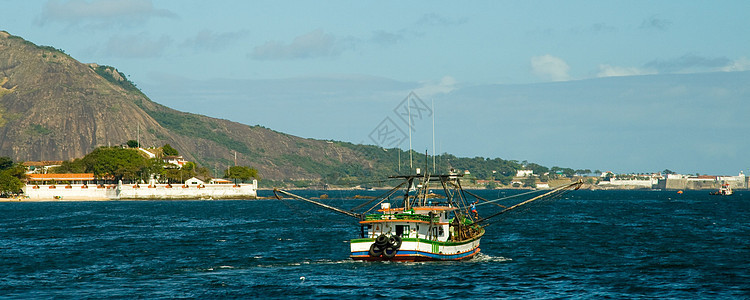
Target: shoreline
(115, 200)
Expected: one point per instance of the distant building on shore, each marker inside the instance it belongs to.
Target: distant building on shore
(671, 181)
(693, 182)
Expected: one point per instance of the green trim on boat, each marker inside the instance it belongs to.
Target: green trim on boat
(370, 240)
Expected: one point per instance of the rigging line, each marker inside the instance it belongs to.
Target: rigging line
(363, 182)
(560, 194)
(460, 191)
(521, 194)
(513, 196)
(577, 185)
(485, 200)
(295, 211)
(426, 188)
(393, 191)
(462, 197)
(384, 195)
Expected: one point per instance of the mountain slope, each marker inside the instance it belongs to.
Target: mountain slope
(53, 107)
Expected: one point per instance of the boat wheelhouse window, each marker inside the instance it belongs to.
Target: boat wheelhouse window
(441, 232)
(401, 229)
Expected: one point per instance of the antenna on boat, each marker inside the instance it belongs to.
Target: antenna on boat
(399, 160)
(433, 136)
(408, 108)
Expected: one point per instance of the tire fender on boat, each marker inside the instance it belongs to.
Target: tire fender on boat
(381, 240)
(375, 250)
(390, 252)
(395, 241)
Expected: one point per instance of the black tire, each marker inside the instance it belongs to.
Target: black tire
(389, 252)
(381, 240)
(375, 251)
(395, 241)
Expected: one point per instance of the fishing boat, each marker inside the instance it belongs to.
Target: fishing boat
(418, 226)
(724, 190)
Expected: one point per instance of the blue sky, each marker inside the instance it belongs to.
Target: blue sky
(338, 69)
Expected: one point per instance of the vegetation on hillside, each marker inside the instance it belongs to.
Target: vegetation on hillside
(194, 126)
(108, 73)
(127, 164)
(169, 151)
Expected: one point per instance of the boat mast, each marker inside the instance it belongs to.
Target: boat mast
(408, 108)
(433, 137)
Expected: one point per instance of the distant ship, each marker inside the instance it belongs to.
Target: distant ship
(724, 190)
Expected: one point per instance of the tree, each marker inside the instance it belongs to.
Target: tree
(491, 185)
(133, 144)
(538, 169)
(241, 172)
(153, 167)
(203, 172)
(74, 166)
(530, 181)
(9, 184)
(11, 176)
(115, 162)
(169, 151)
(5, 163)
(667, 172)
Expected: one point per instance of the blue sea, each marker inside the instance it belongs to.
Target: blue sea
(589, 244)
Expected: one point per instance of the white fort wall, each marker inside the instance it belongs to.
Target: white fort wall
(201, 191)
(73, 191)
(142, 191)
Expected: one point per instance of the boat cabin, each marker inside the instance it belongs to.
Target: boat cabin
(424, 222)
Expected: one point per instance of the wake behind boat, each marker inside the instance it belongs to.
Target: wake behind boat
(417, 226)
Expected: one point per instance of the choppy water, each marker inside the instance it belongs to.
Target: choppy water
(591, 244)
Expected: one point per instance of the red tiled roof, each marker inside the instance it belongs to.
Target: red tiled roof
(77, 176)
(42, 163)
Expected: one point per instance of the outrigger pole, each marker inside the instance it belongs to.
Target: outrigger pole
(338, 210)
(552, 193)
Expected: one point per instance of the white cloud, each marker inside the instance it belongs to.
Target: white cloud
(549, 67)
(384, 38)
(741, 64)
(100, 12)
(208, 40)
(612, 71)
(432, 19)
(313, 44)
(688, 63)
(655, 22)
(444, 86)
(137, 46)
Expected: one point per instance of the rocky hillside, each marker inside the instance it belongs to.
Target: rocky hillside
(53, 107)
